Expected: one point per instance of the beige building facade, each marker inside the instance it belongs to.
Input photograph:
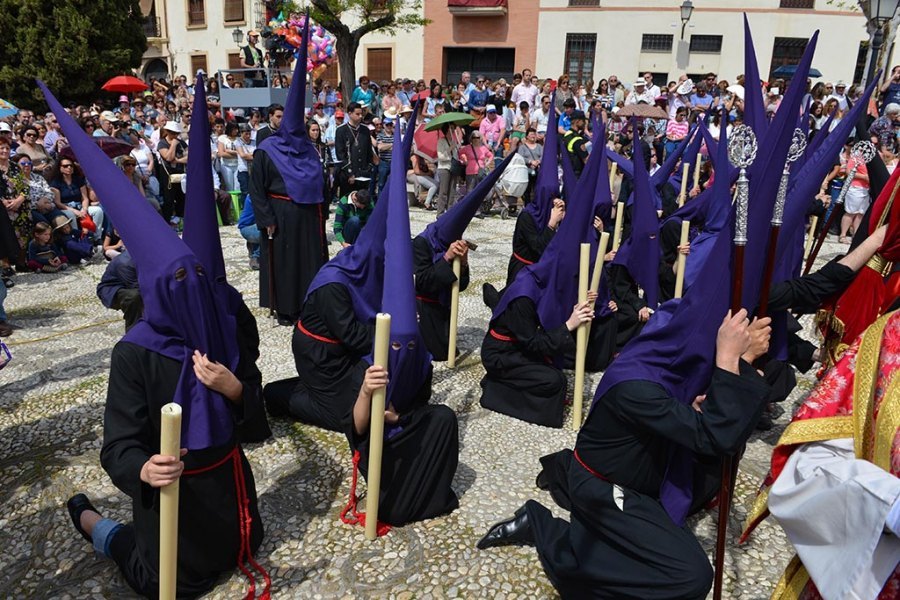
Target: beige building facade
(588, 39)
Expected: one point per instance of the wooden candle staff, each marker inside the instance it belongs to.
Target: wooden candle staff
(454, 312)
(169, 445)
(813, 222)
(682, 259)
(376, 426)
(682, 196)
(697, 166)
(612, 178)
(617, 232)
(581, 336)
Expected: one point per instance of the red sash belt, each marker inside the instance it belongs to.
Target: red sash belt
(280, 197)
(318, 338)
(499, 336)
(588, 469)
(245, 521)
(522, 260)
(427, 299)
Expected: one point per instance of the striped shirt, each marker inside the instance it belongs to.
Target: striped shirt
(676, 130)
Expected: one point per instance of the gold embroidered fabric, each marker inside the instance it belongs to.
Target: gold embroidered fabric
(864, 388)
(793, 581)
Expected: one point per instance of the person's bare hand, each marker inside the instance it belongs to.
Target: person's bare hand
(375, 379)
(270, 230)
(159, 471)
(644, 315)
(557, 213)
(592, 297)
(598, 224)
(698, 403)
(695, 191)
(217, 377)
(732, 340)
(55, 261)
(684, 249)
(610, 256)
(613, 306)
(760, 332)
(390, 416)
(457, 249)
(581, 313)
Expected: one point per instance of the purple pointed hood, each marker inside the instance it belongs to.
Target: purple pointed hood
(451, 225)
(552, 282)
(678, 353)
(569, 178)
(754, 110)
(201, 228)
(181, 310)
(289, 148)
(640, 252)
(360, 267)
(546, 184)
(409, 361)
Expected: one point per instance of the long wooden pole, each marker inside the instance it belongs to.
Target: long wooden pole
(454, 312)
(813, 221)
(617, 232)
(169, 445)
(763, 309)
(612, 178)
(581, 336)
(376, 427)
(598, 261)
(682, 196)
(682, 259)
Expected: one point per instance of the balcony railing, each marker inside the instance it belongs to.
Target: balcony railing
(584, 2)
(151, 27)
(477, 8)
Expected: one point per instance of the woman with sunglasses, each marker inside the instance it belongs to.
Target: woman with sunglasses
(73, 192)
(31, 146)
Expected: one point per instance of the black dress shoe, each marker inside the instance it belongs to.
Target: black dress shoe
(512, 532)
(285, 321)
(540, 482)
(276, 406)
(76, 505)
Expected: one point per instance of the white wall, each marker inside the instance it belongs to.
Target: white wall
(620, 25)
(408, 52)
(214, 40)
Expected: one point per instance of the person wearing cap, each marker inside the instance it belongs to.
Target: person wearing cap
(404, 113)
(492, 129)
(124, 105)
(173, 154)
(384, 143)
(78, 250)
(575, 142)
(109, 122)
(6, 133)
(251, 56)
(840, 94)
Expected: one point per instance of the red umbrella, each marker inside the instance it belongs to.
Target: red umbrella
(426, 142)
(125, 84)
(113, 147)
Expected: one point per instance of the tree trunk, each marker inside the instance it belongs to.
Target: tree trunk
(346, 51)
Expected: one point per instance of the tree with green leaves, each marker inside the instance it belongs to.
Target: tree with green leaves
(388, 16)
(73, 45)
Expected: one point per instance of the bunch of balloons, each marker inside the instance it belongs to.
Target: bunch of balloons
(321, 49)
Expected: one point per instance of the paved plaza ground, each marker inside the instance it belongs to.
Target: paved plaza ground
(51, 411)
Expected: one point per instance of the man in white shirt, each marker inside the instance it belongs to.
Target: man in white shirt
(652, 91)
(525, 91)
(639, 94)
(540, 117)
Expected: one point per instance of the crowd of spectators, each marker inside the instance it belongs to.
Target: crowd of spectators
(43, 190)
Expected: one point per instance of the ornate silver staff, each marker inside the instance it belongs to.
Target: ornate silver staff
(742, 148)
(861, 153)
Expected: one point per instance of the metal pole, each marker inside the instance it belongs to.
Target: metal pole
(877, 42)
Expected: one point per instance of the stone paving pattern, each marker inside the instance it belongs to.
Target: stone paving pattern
(51, 411)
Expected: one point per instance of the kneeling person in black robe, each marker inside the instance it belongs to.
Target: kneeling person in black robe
(434, 278)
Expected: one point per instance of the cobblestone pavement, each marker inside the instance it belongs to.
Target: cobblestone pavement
(51, 409)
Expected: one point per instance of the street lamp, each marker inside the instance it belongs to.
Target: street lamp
(879, 12)
(687, 9)
(238, 36)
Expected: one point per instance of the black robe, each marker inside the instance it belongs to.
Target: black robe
(528, 245)
(329, 344)
(301, 247)
(418, 462)
(521, 379)
(434, 278)
(621, 543)
(140, 383)
(669, 236)
(629, 302)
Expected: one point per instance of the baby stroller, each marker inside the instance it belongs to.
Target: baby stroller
(509, 188)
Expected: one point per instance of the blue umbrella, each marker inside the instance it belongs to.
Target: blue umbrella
(788, 71)
(7, 109)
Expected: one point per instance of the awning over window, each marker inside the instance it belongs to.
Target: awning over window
(477, 8)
